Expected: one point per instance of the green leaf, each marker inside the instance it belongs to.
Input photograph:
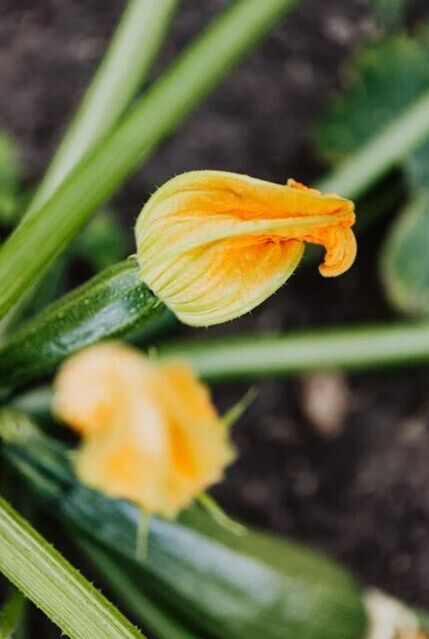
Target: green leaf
(124, 68)
(417, 168)
(103, 242)
(113, 304)
(40, 238)
(10, 180)
(390, 13)
(423, 617)
(390, 81)
(404, 263)
(382, 117)
(405, 258)
(385, 79)
(388, 77)
(11, 614)
(206, 577)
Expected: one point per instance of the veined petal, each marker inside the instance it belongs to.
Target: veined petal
(219, 282)
(214, 245)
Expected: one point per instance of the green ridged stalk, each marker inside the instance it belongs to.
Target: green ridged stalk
(50, 581)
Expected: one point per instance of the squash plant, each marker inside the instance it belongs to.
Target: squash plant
(200, 578)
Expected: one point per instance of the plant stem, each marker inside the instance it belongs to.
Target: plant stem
(395, 142)
(256, 356)
(29, 251)
(11, 614)
(124, 69)
(113, 304)
(47, 579)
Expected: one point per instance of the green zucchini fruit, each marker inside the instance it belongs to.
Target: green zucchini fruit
(113, 304)
(211, 581)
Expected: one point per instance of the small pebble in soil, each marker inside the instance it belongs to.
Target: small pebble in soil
(325, 399)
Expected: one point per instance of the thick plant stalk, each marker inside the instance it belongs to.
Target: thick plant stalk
(124, 69)
(33, 246)
(256, 356)
(47, 579)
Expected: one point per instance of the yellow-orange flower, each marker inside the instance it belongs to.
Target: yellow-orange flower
(150, 432)
(213, 245)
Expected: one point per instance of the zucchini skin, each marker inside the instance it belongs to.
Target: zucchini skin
(210, 580)
(114, 303)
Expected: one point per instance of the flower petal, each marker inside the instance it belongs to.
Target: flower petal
(214, 245)
(150, 431)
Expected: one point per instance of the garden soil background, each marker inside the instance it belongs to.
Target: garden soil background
(337, 462)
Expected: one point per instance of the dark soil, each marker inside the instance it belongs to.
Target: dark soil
(355, 484)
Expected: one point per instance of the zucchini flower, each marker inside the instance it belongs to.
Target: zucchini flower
(150, 433)
(213, 245)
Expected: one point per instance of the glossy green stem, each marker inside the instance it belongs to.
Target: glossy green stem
(33, 246)
(257, 356)
(113, 304)
(46, 578)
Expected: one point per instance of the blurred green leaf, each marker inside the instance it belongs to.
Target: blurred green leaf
(387, 78)
(103, 242)
(404, 263)
(212, 581)
(390, 14)
(11, 614)
(10, 180)
(378, 137)
(417, 169)
(383, 81)
(405, 258)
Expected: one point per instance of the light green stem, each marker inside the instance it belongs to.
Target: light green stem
(123, 70)
(256, 356)
(47, 579)
(381, 153)
(33, 246)
(11, 614)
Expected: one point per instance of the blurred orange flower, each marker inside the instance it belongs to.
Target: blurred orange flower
(150, 432)
(213, 245)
